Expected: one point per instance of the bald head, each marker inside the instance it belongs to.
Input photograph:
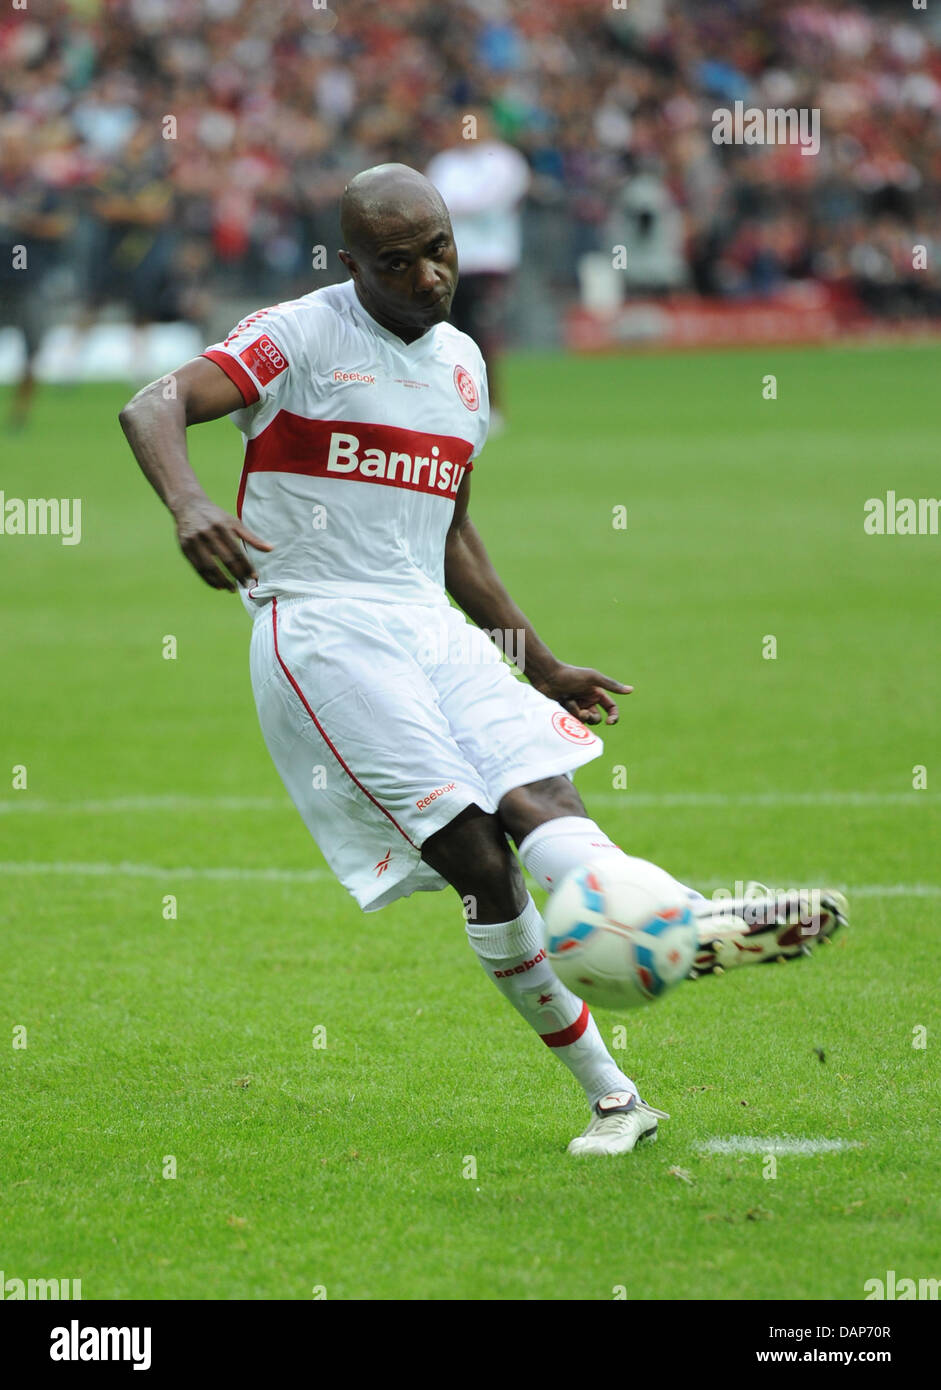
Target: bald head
(399, 248)
(384, 200)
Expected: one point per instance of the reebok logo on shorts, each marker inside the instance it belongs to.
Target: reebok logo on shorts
(433, 796)
(263, 359)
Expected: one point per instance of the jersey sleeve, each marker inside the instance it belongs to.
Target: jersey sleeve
(258, 353)
(483, 415)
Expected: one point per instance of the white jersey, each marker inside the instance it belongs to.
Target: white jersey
(355, 446)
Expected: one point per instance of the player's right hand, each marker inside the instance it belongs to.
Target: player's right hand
(211, 540)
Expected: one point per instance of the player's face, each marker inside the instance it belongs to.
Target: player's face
(408, 277)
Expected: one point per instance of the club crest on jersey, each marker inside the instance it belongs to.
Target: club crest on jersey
(264, 359)
(466, 387)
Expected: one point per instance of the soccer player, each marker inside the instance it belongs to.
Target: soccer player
(363, 411)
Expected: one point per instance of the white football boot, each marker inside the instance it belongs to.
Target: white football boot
(621, 1120)
(764, 926)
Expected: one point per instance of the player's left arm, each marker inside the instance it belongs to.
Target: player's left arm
(472, 581)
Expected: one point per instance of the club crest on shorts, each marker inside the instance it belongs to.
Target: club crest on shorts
(466, 388)
(571, 728)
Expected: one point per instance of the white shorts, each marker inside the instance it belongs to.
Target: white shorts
(385, 720)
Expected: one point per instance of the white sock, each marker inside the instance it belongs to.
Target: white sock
(513, 955)
(557, 846)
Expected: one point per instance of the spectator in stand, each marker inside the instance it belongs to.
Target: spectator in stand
(134, 253)
(483, 180)
(33, 225)
(277, 107)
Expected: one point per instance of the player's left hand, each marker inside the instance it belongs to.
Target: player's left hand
(582, 691)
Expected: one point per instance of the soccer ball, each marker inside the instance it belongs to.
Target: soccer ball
(620, 934)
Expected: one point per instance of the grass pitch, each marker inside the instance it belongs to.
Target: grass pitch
(419, 1152)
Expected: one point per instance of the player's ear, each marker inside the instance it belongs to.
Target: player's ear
(350, 264)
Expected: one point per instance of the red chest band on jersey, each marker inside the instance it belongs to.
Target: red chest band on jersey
(367, 453)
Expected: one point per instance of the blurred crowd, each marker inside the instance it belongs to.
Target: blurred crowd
(157, 152)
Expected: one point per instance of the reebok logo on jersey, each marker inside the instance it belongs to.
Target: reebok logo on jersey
(521, 969)
(264, 359)
(433, 796)
(366, 377)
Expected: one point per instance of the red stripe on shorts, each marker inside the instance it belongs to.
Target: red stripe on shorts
(322, 732)
(570, 1034)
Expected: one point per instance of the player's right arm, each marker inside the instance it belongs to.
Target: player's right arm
(155, 423)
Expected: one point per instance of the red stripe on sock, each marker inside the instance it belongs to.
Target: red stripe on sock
(570, 1034)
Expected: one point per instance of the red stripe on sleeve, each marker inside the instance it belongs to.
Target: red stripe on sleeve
(570, 1034)
(235, 372)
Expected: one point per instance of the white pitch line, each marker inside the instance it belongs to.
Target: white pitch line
(129, 869)
(165, 872)
(775, 1144)
(897, 890)
(854, 890)
(762, 798)
(122, 805)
